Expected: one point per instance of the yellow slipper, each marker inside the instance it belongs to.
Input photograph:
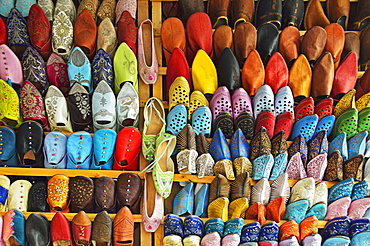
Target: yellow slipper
(179, 92)
(204, 73)
(9, 106)
(363, 102)
(238, 207)
(346, 102)
(219, 208)
(197, 99)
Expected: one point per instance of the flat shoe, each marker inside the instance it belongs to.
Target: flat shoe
(341, 225)
(57, 72)
(85, 33)
(125, 67)
(245, 122)
(34, 69)
(260, 192)
(279, 167)
(260, 144)
(203, 68)
(126, 157)
(193, 225)
(324, 108)
(346, 102)
(338, 208)
(219, 208)
(295, 168)
(277, 74)
(107, 37)
(284, 122)
(197, 99)
(219, 147)
(303, 190)
(346, 122)
(179, 92)
(267, 120)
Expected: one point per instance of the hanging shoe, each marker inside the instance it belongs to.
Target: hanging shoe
(154, 124)
(147, 58)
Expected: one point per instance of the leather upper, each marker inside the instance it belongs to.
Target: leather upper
(8, 147)
(37, 197)
(104, 194)
(81, 194)
(129, 188)
(30, 139)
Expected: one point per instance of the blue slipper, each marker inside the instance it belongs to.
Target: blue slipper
(173, 225)
(325, 124)
(280, 164)
(219, 147)
(262, 166)
(341, 189)
(305, 126)
(337, 240)
(176, 119)
(337, 227)
(269, 232)
(340, 143)
(233, 226)
(193, 225)
(296, 211)
(201, 200)
(319, 210)
(239, 145)
(184, 200)
(357, 144)
(359, 225)
(201, 120)
(359, 190)
(250, 232)
(214, 225)
(361, 239)
(317, 145)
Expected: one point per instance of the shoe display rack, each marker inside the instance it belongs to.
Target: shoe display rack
(146, 9)
(159, 87)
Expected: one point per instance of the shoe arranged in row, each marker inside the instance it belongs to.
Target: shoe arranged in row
(61, 193)
(106, 150)
(79, 113)
(36, 229)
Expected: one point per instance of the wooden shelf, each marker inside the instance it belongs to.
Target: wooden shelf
(21, 171)
(138, 218)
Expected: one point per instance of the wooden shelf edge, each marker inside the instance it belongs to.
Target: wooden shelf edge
(138, 218)
(20, 171)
